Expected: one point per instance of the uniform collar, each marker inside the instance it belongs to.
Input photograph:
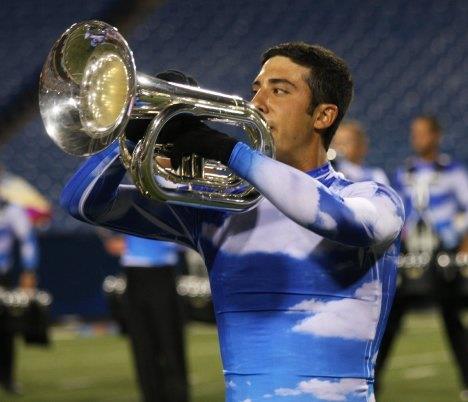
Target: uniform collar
(324, 174)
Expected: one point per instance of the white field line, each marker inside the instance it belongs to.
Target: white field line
(417, 373)
(77, 383)
(419, 359)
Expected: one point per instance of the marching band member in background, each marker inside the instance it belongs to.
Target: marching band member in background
(153, 316)
(302, 284)
(14, 224)
(351, 145)
(434, 190)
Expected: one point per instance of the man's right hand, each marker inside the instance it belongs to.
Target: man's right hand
(136, 128)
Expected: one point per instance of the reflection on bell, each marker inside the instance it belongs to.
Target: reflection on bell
(105, 86)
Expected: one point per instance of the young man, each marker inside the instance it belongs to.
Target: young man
(433, 188)
(351, 145)
(301, 284)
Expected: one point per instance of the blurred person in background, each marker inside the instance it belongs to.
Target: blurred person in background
(14, 225)
(302, 283)
(351, 146)
(153, 315)
(18, 191)
(434, 189)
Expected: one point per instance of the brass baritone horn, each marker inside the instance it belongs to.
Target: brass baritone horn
(89, 89)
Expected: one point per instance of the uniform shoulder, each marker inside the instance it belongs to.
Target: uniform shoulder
(449, 164)
(357, 188)
(369, 189)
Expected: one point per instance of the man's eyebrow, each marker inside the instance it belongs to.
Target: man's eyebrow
(275, 81)
(281, 81)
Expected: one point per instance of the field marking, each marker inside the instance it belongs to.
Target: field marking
(420, 372)
(418, 359)
(63, 336)
(77, 383)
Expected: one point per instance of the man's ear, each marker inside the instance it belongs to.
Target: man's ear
(325, 115)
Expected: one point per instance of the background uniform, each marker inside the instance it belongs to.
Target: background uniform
(355, 172)
(301, 284)
(154, 319)
(434, 193)
(14, 224)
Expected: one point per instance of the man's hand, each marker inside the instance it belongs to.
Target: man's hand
(28, 281)
(189, 135)
(115, 245)
(198, 138)
(186, 132)
(464, 245)
(136, 128)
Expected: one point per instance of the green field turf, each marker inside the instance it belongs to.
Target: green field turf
(98, 369)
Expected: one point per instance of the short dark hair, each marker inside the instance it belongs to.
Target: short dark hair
(432, 120)
(329, 81)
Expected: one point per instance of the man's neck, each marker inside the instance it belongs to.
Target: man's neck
(430, 156)
(312, 158)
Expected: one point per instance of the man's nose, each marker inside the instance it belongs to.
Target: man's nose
(259, 101)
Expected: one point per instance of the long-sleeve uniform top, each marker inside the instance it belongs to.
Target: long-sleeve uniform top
(14, 223)
(302, 284)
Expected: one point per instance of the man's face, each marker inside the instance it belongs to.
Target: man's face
(423, 138)
(282, 95)
(348, 142)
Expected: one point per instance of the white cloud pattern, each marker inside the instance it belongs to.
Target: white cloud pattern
(327, 390)
(355, 318)
(289, 238)
(231, 384)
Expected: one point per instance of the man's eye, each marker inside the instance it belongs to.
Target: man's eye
(279, 91)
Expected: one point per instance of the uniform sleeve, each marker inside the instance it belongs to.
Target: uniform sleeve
(461, 184)
(366, 214)
(461, 194)
(95, 195)
(398, 183)
(26, 236)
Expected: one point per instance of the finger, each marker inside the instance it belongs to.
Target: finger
(177, 126)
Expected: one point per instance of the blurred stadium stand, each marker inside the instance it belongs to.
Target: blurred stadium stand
(22, 24)
(28, 30)
(406, 58)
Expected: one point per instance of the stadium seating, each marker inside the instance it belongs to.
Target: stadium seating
(406, 58)
(28, 30)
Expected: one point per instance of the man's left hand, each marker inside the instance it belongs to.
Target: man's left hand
(201, 140)
(28, 280)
